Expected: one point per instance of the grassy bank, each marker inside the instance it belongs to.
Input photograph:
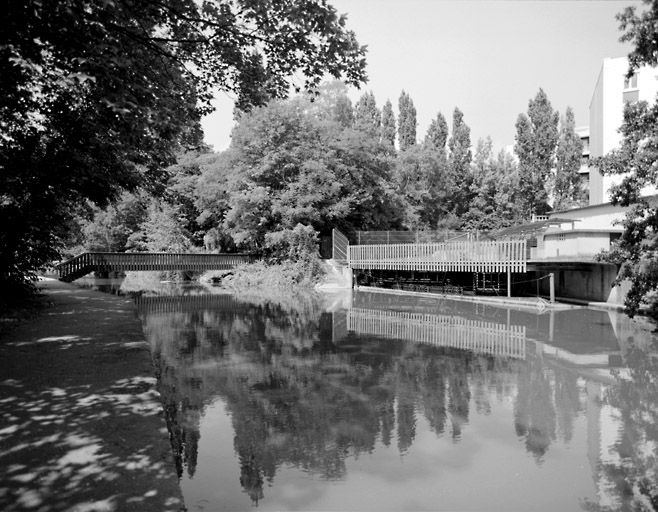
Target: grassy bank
(298, 274)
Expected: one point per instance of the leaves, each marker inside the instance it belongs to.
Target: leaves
(100, 96)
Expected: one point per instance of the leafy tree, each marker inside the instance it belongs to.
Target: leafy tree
(421, 178)
(99, 96)
(285, 167)
(110, 227)
(634, 161)
(388, 125)
(494, 189)
(459, 161)
(161, 230)
(536, 141)
(406, 122)
(437, 133)
(366, 114)
(332, 103)
(567, 190)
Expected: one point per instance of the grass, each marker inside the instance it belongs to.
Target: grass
(261, 275)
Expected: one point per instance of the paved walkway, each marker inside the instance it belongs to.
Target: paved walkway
(81, 424)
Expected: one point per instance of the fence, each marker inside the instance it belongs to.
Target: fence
(488, 256)
(340, 247)
(410, 237)
(444, 331)
(120, 262)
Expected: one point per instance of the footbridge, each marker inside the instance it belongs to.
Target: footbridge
(87, 262)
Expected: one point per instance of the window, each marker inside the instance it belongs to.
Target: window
(630, 83)
(631, 96)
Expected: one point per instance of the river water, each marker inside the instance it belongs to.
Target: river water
(376, 401)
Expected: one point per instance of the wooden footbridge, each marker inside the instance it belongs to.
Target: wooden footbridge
(87, 262)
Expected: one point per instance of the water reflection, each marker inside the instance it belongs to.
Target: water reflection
(314, 397)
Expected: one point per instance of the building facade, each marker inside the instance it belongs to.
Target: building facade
(606, 112)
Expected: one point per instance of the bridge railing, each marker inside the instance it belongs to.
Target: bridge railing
(444, 331)
(471, 256)
(135, 261)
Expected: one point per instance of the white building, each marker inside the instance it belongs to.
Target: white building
(613, 89)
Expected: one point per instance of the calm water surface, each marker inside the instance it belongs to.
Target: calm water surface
(371, 401)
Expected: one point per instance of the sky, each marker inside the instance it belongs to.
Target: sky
(488, 58)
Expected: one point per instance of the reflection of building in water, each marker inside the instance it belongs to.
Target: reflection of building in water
(444, 331)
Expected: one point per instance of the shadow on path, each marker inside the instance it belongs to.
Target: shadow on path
(81, 424)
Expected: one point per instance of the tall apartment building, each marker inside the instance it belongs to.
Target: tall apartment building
(613, 89)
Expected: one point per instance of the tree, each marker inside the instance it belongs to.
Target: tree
(567, 190)
(287, 167)
(634, 161)
(536, 140)
(366, 114)
(388, 125)
(421, 178)
(459, 162)
(494, 189)
(437, 133)
(406, 122)
(332, 103)
(161, 230)
(99, 96)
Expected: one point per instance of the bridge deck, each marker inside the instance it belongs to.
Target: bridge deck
(121, 262)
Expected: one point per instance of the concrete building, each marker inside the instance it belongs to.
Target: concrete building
(613, 89)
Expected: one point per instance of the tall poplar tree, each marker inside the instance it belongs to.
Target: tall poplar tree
(536, 141)
(388, 129)
(406, 122)
(437, 133)
(366, 114)
(459, 161)
(567, 191)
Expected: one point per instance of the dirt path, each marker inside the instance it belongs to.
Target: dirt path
(81, 424)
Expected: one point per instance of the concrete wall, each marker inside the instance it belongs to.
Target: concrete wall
(573, 244)
(593, 284)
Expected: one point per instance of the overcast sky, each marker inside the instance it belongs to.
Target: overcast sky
(488, 57)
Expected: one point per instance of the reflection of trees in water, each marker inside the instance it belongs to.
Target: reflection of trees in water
(297, 398)
(631, 467)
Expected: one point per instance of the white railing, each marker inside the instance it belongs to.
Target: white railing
(486, 256)
(445, 331)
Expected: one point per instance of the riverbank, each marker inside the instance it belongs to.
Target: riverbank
(81, 422)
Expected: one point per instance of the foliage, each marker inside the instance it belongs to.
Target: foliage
(367, 116)
(636, 250)
(640, 30)
(388, 125)
(277, 276)
(494, 188)
(437, 133)
(98, 96)
(406, 122)
(298, 244)
(634, 162)
(421, 178)
(536, 140)
(160, 231)
(459, 161)
(287, 165)
(109, 229)
(567, 189)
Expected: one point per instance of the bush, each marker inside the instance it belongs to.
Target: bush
(263, 275)
(298, 244)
